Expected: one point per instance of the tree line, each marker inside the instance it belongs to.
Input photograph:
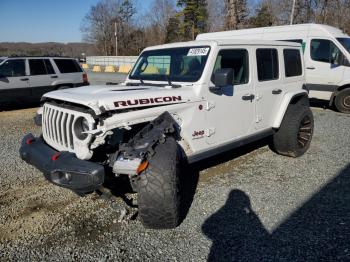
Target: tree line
(169, 21)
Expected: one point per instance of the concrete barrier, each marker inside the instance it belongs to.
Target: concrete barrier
(124, 69)
(151, 70)
(96, 68)
(85, 66)
(110, 69)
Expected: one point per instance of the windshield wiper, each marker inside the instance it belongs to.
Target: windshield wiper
(171, 84)
(136, 84)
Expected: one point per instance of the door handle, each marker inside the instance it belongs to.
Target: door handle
(311, 67)
(276, 91)
(247, 97)
(54, 76)
(24, 79)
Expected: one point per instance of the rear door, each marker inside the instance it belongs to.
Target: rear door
(42, 76)
(14, 83)
(269, 85)
(70, 71)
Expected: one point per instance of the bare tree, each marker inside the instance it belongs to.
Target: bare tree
(236, 14)
(216, 19)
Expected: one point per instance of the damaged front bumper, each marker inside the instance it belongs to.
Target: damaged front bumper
(62, 168)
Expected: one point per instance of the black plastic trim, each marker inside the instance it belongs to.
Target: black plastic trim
(229, 146)
(318, 87)
(66, 170)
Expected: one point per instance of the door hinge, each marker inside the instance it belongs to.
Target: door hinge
(258, 119)
(210, 105)
(210, 131)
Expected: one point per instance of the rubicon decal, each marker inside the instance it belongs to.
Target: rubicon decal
(146, 101)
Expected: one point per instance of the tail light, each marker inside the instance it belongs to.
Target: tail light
(85, 78)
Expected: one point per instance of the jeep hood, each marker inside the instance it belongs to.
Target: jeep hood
(105, 98)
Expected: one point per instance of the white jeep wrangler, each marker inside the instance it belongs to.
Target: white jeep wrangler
(181, 103)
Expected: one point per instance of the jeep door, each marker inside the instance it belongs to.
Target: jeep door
(269, 85)
(14, 83)
(230, 111)
(323, 70)
(42, 76)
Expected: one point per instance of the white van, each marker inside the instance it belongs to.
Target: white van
(326, 53)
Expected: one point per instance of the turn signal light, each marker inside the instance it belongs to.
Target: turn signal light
(142, 167)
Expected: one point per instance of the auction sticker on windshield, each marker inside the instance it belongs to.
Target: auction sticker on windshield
(198, 51)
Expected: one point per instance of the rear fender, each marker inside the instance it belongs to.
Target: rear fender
(289, 98)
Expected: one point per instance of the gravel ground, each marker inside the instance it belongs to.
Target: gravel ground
(250, 205)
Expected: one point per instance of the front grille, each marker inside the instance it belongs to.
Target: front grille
(57, 127)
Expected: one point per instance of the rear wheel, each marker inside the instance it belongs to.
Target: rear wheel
(295, 133)
(159, 188)
(342, 101)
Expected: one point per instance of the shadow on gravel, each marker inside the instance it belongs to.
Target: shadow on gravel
(321, 104)
(317, 231)
(191, 175)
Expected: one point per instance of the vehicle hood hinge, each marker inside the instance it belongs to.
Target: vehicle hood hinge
(210, 105)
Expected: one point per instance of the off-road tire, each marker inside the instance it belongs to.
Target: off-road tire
(294, 136)
(159, 188)
(342, 101)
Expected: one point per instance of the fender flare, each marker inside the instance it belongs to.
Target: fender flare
(289, 98)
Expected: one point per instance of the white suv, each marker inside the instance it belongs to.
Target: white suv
(181, 103)
(28, 78)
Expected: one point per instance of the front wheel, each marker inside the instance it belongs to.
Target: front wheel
(295, 133)
(342, 101)
(159, 188)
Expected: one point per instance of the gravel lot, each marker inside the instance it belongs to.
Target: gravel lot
(250, 205)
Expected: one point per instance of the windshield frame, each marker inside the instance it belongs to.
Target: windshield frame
(164, 77)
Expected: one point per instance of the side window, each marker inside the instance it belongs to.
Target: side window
(323, 50)
(267, 62)
(292, 62)
(13, 68)
(37, 67)
(49, 67)
(238, 60)
(68, 66)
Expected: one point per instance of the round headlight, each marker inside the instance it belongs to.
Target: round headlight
(85, 125)
(81, 125)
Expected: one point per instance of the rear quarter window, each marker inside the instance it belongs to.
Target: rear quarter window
(292, 62)
(68, 66)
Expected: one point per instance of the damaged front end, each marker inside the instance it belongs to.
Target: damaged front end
(65, 169)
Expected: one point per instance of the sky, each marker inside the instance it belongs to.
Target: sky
(45, 20)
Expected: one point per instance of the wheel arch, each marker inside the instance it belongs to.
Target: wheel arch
(289, 98)
(336, 92)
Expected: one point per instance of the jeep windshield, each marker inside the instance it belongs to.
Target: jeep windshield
(182, 64)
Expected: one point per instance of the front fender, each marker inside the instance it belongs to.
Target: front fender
(286, 100)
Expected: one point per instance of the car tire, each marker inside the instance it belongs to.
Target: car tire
(159, 188)
(294, 136)
(342, 101)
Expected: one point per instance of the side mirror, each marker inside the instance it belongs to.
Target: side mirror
(222, 77)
